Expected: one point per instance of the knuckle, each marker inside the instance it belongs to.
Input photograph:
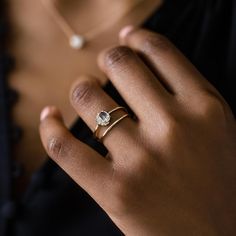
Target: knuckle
(56, 147)
(170, 128)
(117, 55)
(82, 92)
(212, 106)
(154, 42)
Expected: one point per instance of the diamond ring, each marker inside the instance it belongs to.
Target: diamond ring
(104, 119)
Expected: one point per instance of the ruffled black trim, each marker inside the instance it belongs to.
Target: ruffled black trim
(9, 133)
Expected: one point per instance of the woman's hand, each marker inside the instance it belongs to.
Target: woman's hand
(171, 171)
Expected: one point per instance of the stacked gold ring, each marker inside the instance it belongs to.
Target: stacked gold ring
(104, 119)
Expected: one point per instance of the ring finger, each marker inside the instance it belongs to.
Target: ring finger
(88, 99)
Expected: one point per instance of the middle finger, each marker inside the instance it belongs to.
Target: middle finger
(142, 91)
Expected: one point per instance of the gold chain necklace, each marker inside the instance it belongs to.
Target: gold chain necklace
(78, 41)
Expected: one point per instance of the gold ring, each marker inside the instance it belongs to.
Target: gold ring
(104, 119)
(112, 125)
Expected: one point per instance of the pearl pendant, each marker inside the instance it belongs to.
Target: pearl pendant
(77, 41)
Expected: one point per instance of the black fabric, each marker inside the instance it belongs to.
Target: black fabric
(204, 30)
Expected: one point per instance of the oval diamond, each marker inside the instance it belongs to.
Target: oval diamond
(103, 118)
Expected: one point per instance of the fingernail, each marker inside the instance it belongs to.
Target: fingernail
(45, 112)
(125, 31)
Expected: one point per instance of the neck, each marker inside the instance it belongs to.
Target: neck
(61, 10)
(65, 4)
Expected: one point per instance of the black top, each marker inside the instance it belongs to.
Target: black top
(204, 30)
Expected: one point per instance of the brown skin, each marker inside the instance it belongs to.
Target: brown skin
(171, 172)
(44, 59)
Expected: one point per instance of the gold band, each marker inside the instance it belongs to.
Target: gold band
(116, 109)
(112, 125)
(98, 126)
